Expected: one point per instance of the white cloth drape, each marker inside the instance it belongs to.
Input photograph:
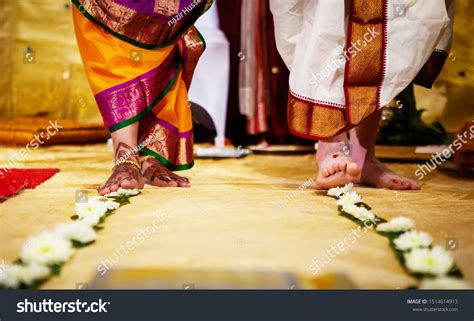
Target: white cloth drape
(311, 36)
(210, 84)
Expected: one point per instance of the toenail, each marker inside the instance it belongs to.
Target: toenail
(335, 156)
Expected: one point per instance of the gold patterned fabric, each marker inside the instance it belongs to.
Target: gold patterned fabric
(313, 121)
(362, 81)
(146, 24)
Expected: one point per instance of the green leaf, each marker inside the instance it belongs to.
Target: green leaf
(355, 220)
(122, 200)
(391, 235)
(56, 268)
(78, 245)
(456, 272)
(18, 261)
(364, 205)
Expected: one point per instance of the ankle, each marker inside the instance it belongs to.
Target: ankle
(124, 152)
(148, 161)
(332, 150)
(128, 163)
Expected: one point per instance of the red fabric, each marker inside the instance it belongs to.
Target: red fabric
(257, 123)
(15, 180)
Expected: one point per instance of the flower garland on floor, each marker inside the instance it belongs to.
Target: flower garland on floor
(42, 256)
(430, 264)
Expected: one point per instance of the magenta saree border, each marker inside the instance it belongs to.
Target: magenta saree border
(168, 126)
(128, 100)
(172, 148)
(147, 7)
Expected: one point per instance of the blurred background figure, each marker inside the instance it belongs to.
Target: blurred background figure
(259, 78)
(210, 85)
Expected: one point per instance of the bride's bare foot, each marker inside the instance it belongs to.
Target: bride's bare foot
(156, 174)
(374, 173)
(126, 173)
(335, 168)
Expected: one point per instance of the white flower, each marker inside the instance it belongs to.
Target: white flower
(91, 207)
(348, 199)
(124, 192)
(91, 212)
(412, 240)
(111, 205)
(33, 272)
(46, 249)
(77, 231)
(28, 274)
(91, 219)
(9, 277)
(338, 191)
(360, 213)
(435, 261)
(398, 224)
(444, 283)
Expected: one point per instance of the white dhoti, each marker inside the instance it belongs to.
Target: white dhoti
(348, 62)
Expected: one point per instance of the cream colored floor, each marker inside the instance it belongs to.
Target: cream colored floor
(228, 219)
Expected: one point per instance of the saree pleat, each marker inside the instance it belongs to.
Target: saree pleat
(149, 86)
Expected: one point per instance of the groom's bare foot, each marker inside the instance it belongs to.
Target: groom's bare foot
(156, 174)
(375, 174)
(336, 169)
